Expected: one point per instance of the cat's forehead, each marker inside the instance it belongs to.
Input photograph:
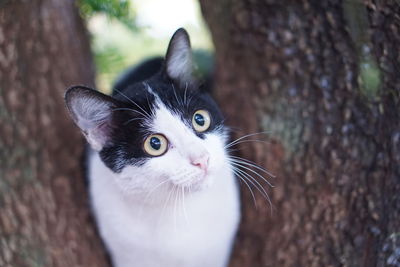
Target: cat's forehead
(170, 123)
(148, 96)
(171, 111)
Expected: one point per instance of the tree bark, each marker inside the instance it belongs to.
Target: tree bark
(44, 218)
(323, 77)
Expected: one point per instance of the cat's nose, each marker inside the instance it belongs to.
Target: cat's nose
(200, 161)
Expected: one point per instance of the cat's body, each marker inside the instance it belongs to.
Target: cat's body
(159, 234)
(161, 184)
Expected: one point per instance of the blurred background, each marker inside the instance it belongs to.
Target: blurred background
(123, 33)
(322, 78)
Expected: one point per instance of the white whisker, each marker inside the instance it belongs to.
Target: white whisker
(257, 185)
(133, 102)
(251, 163)
(134, 119)
(252, 140)
(129, 109)
(190, 99)
(154, 189)
(167, 201)
(176, 96)
(184, 206)
(254, 182)
(176, 193)
(242, 137)
(248, 186)
(253, 171)
(184, 95)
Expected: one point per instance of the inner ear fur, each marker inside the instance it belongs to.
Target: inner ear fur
(179, 60)
(92, 113)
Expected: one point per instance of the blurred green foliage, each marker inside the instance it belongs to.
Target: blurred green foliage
(356, 15)
(109, 58)
(204, 62)
(118, 41)
(109, 62)
(120, 10)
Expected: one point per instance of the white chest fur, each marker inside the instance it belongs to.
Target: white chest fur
(197, 230)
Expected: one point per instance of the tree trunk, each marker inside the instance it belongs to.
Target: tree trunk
(44, 218)
(323, 77)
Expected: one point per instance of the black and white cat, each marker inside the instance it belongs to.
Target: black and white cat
(161, 184)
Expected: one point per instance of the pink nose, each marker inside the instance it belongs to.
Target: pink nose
(200, 161)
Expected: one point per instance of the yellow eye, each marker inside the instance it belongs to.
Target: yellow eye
(155, 145)
(201, 120)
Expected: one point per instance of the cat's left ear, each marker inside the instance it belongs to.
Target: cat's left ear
(178, 61)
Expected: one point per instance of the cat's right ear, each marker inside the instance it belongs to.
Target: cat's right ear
(91, 112)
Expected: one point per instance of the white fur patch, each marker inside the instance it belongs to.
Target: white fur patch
(168, 212)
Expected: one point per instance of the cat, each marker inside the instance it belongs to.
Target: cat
(162, 188)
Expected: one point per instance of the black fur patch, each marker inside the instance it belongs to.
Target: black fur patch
(118, 124)
(128, 134)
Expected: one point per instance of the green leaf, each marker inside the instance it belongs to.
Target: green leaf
(119, 10)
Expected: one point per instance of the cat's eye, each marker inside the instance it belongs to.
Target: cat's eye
(155, 145)
(201, 120)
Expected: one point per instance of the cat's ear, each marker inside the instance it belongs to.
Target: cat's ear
(91, 112)
(178, 61)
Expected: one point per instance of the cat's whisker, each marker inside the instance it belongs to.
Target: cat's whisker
(184, 95)
(248, 186)
(253, 180)
(243, 137)
(237, 130)
(190, 99)
(176, 190)
(230, 150)
(250, 170)
(257, 185)
(223, 122)
(178, 201)
(176, 96)
(152, 113)
(132, 110)
(252, 140)
(133, 102)
(155, 188)
(190, 189)
(134, 119)
(167, 201)
(195, 101)
(171, 199)
(184, 206)
(180, 196)
(250, 163)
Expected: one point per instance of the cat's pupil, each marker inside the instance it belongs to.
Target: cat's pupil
(199, 119)
(155, 143)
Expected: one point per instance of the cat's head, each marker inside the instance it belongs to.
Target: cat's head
(162, 130)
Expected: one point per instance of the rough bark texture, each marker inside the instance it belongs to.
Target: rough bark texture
(44, 219)
(324, 78)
